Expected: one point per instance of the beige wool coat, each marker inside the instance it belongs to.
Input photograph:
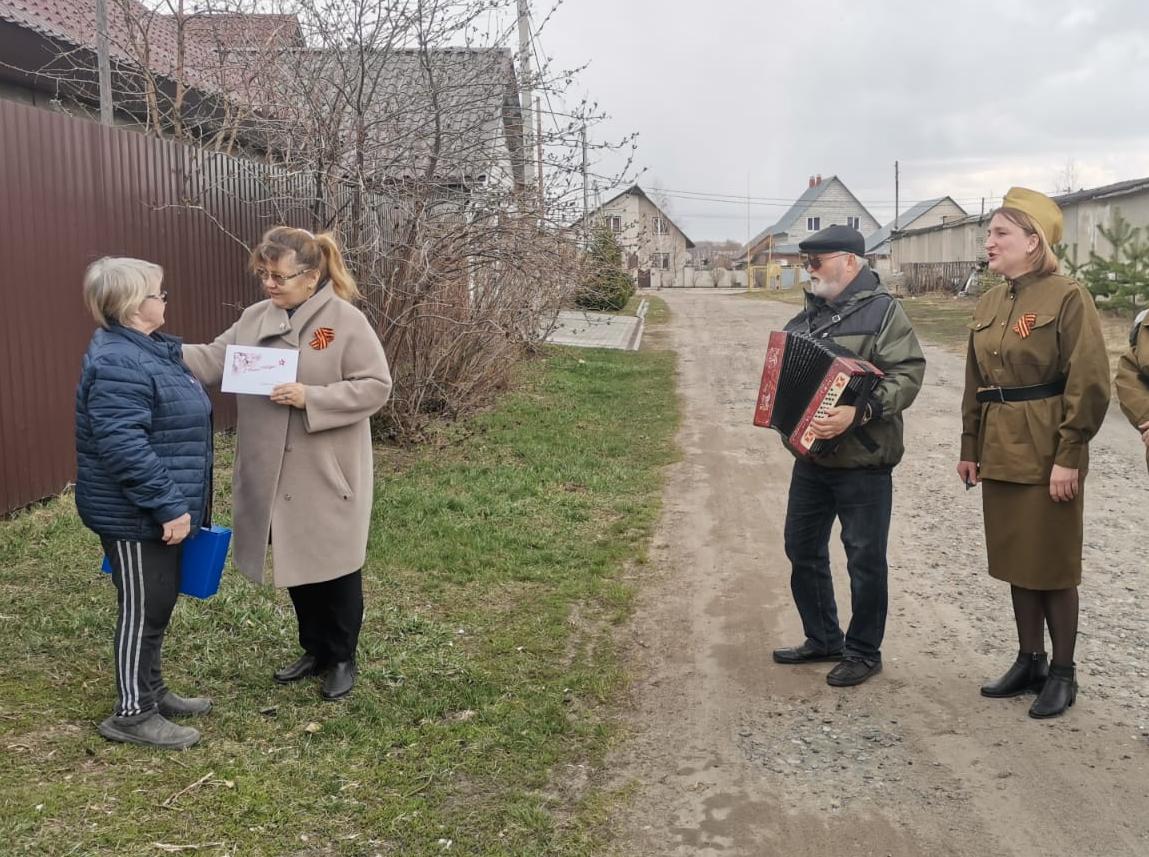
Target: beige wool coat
(303, 478)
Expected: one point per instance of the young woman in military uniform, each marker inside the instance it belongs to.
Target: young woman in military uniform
(1037, 388)
(1133, 378)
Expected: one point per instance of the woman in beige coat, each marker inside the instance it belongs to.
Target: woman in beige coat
(1037, 388)
(303, 478)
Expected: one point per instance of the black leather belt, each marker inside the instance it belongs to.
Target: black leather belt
(1021, 394)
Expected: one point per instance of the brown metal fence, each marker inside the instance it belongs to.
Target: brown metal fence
(71, 191)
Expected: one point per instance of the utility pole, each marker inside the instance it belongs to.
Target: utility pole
(749, 285)
(539, 145)
(897, 188)
(982, 207)
(105, 63)
(585, 189)
(525, 81)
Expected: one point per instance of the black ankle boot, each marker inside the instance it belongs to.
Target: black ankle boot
(1059, 693)
(1027, 675)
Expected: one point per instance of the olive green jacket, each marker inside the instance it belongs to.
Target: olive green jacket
(874, 326)
(1133, 375)
(1036, 329)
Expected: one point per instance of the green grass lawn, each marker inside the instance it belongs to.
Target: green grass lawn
(487, 665)
(941, 319)
(786, 296)
(657, 311)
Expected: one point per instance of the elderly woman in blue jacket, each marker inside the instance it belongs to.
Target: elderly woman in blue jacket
(144, 446)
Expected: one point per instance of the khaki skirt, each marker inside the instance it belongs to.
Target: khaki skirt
(1031, 541)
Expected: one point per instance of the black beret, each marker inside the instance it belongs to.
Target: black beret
(835, 239)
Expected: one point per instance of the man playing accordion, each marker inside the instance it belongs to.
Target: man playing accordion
(847, 303)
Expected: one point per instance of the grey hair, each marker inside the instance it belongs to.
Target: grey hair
(115, 288)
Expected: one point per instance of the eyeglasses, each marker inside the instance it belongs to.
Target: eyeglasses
(262, 274)
(813, 263)
(162, 297)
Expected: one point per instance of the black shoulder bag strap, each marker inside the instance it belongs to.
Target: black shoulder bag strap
(836, 319)
(863, 436)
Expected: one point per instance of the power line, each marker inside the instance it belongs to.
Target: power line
(536, 47)
(741, 199)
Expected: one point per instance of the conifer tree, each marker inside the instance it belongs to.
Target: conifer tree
(1119, 280)
(606, 286)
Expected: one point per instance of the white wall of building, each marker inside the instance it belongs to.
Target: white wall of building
(834, 206)
(1082, 220)
(643, 246)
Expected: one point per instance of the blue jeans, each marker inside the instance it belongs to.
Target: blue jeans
(862, 500)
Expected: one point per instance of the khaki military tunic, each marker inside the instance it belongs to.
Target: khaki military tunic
(1037, 329)
(1133, 375)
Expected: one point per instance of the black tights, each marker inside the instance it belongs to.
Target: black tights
(1033, 608)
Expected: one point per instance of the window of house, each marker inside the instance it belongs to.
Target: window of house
(854, 222)
(813, 224)
(615, 223)
(660, 227)
(660, 260)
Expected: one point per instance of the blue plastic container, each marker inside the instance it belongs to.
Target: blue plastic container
(201, 566)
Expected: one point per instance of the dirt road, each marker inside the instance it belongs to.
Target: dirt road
(734, 755)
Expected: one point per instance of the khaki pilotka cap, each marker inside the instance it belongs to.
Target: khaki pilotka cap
(1040, 207)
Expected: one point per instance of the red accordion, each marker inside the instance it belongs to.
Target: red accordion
(802, 379)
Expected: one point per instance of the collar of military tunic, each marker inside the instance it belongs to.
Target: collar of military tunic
(1026, 280)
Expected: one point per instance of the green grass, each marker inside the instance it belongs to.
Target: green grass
(657, 312)
(941, 319)
(487, 669)
(786, 296)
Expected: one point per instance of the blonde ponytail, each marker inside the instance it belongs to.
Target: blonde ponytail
(320, 252)
(341, 280)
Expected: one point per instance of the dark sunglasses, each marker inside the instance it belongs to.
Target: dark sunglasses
(813, 262)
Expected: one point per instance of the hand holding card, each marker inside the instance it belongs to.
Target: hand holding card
(257, 371)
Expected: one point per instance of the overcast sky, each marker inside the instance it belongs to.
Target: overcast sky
(970, 96)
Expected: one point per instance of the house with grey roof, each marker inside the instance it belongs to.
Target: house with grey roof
(928, 212)
(824, 203)
(1084, 211)
(654, 248)
(454, 112)
(49, 51)
(943, 254)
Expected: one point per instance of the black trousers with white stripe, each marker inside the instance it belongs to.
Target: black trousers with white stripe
(147, 579)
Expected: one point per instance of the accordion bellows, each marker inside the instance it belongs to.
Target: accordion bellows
(802, 379)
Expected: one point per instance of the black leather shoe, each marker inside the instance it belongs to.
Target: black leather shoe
(302, 668)
(1027, 675)
(852, 671)
(1058, 694)
(339, 680)
(804, 654)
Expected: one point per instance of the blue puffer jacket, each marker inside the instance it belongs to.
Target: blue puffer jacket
(143, 436)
